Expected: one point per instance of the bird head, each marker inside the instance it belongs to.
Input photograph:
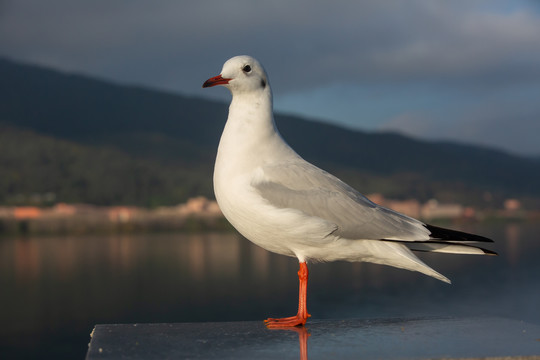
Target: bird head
(240, 74)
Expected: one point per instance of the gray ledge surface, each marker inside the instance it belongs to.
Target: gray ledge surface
(424, 338)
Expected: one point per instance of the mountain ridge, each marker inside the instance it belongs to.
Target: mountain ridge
(172, 130)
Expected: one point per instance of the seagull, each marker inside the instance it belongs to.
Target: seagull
(288, 206)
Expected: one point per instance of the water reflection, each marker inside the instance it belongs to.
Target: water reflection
(27, 261)
(55, 289)
(303, 335)
(512, 234)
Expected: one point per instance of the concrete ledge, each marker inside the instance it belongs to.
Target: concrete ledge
(431, 338)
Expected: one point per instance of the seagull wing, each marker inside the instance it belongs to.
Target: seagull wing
(304, 187)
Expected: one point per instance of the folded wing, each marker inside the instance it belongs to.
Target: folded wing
(304, 187)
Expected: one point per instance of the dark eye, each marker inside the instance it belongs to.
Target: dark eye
(246, 68)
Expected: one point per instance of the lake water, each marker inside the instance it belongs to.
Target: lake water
(55, 289)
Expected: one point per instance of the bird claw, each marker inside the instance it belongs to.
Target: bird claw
(291, 321)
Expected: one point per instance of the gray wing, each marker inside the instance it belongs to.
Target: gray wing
(302, 186)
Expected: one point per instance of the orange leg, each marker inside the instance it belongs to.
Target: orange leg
(301, 317)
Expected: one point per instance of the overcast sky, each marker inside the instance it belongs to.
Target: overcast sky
(461, 70)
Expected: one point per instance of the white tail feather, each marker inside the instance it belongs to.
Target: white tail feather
(446, 248)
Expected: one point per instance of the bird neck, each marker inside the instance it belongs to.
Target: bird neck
(250, 132)
(250, 116)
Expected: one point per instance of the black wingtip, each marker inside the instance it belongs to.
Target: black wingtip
(454, 235)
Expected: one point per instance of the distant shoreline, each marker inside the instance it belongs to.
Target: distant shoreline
(86, 226)
(200, 214)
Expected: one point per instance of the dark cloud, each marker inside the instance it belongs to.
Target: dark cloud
(337, 41)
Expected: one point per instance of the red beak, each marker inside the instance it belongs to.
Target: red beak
(216, 80)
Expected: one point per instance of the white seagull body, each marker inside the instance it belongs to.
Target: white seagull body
(286, 205)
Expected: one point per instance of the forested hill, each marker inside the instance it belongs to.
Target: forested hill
(88, 140)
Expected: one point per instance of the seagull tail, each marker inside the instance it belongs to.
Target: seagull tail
(413, 263)
(448, 248)
(425, 269)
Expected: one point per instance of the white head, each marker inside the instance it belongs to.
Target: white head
(241, 74)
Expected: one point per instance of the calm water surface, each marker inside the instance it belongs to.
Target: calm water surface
(53, 290)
